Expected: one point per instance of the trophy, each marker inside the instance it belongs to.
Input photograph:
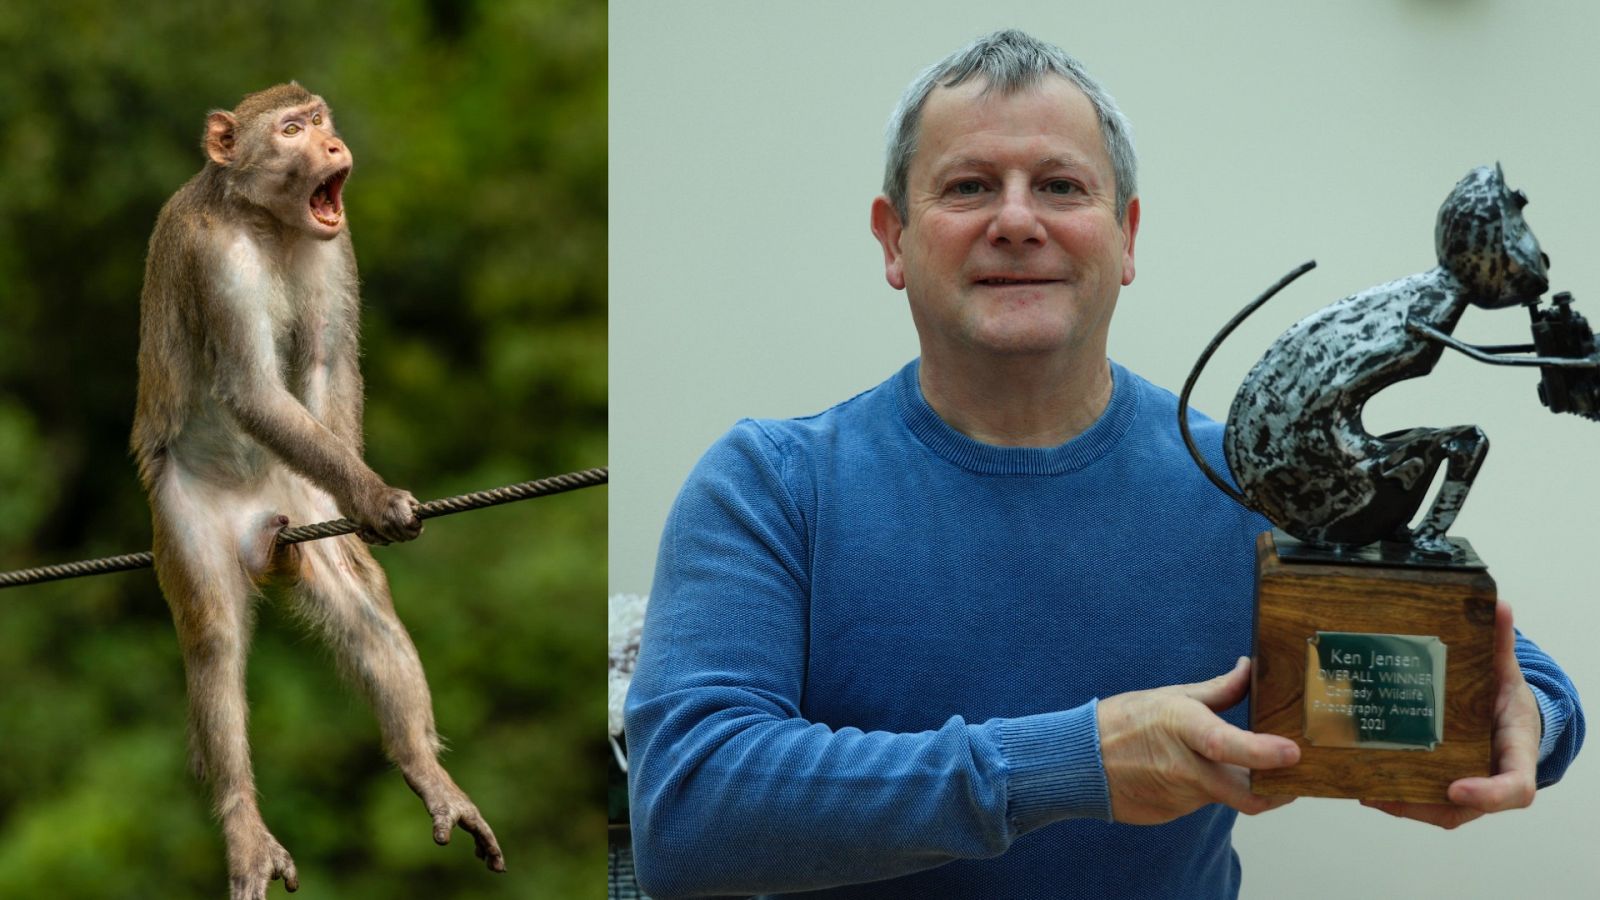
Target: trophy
(1374, 640)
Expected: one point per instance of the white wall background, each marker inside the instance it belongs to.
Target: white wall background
(746, 146)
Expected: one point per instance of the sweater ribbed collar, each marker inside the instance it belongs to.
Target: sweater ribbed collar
(988, 459)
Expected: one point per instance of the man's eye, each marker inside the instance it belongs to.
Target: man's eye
(1061, 186)
(968, 188)
(291, 130)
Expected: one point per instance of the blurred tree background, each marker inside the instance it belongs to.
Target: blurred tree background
(478, 209)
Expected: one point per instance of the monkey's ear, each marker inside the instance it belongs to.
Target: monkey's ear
(219, 136)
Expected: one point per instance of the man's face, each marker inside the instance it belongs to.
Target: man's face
(1011, 244)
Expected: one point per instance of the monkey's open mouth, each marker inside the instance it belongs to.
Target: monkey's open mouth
(327, 206)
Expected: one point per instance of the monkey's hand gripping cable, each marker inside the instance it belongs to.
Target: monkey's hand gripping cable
(527, 490)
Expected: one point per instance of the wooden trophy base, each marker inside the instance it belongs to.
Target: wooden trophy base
(1295, 601)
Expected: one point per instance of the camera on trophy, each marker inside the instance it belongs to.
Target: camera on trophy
(1559, 333)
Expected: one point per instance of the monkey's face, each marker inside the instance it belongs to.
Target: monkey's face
(315, 164)
(1483, 240)
(292, 162)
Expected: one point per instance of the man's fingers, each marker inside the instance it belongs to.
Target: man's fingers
(1225, 690)
(1221, 742)
(1274, 803)
(1167, 752)
(1255, 804)
(1508, 671)
(1444, 815)
(1508, 790)
(1516, 749)
(1514, 782)
(1516, 739)
(1505, 644)
(1230, 786)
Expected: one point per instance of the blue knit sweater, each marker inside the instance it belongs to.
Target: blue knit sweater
(874, 647)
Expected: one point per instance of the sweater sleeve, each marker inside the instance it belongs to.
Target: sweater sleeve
(733, 791)
(1559, 710)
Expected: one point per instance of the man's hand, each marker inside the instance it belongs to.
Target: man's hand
(1167, 753)
(1515, 743)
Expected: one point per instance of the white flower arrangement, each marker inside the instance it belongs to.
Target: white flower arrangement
(626, 613)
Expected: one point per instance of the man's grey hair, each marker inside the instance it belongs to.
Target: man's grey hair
(1007, 61)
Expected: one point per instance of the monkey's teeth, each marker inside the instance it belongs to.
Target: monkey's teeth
(325, 207)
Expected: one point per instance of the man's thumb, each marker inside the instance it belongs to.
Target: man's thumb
(1223, 691)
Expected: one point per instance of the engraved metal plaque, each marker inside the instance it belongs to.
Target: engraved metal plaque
(1382, 691)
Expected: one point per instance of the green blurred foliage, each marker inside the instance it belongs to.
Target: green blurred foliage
(478, 210)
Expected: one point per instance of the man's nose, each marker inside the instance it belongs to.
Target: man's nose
(1016, 221)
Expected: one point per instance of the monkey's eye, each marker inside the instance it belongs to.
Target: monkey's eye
(291, 130)
(316, 119)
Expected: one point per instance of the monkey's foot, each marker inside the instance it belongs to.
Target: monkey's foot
(1430, 543)
(450, 806)
(255, 860)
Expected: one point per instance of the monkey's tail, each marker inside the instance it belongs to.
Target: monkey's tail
(1205, 357)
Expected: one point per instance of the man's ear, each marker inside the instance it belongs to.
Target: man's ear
(219, 137)
(887, 228)
(1130, 231)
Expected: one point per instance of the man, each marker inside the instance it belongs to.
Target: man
(959, 636)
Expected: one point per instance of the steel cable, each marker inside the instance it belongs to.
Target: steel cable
(527, 490)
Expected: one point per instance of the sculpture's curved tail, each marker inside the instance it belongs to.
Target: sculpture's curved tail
(1205, 357)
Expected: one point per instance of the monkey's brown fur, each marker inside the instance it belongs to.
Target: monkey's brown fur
(249, 418)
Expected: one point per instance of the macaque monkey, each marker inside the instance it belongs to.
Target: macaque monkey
(249, 418)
